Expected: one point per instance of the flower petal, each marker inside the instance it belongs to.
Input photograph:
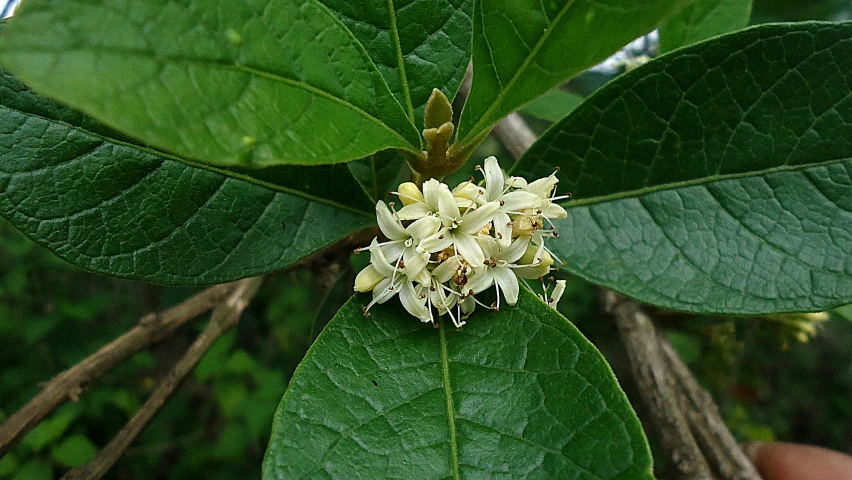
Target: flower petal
(502, 228)
(413, 303)
(382, 293)
(414, 262)
(508, 283)
(424, 227)
(379, 261)
(430, 193)
(473, 221)
(447, 207)
(446, 269)
(413, 211)
(543, 186)
(552, 210)
(516, 250)
(494, 180)
(388, 224)
(469, 250)
(481, 281)
(519, 201)
(437, 242)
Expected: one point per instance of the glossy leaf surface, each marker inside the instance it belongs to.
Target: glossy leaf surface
(116, 208)
(514, 394)
(417, 45)
(523, 48)
(249, 83)
(704, 19)
(717, 178)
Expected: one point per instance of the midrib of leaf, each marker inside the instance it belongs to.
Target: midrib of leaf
(579, 202)
(448, 393)
(402, 75)
(533, 53)
(227, 173)
(240, 68)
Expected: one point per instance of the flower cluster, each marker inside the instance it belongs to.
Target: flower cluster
(446, 246)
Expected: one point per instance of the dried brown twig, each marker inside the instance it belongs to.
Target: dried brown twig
(225, 316)
(70, 383)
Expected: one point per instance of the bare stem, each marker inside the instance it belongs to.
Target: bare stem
(656, 386)
(720, 448)
(225, 316)
(68, 384)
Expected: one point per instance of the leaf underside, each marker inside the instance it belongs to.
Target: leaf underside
(718, 178)
(514, 394)
(248, 83)
(704, 19)
(116, 208)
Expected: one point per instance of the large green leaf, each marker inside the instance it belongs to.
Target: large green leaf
(515, 394)
(418, 45)
(522, 48)
(717, 178)
(702, 20)
(251, 83)
(117, 208)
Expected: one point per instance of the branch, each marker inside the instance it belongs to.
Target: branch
(718, 444)
(656, 387)
(68, 384)
(225, 316)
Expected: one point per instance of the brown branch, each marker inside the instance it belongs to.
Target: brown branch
(718, 444)
(225, 316)
(69, 384)
(514, 134)
(656, 386)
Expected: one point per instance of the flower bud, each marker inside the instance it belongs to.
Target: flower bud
(367, 279)
(535, 269)
(409, 193)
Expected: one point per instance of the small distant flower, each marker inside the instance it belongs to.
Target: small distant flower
(445, 246)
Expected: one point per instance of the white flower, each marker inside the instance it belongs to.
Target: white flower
(391, 280)
(445, 247)
(553, 299)
(498, 271)
(459, 229)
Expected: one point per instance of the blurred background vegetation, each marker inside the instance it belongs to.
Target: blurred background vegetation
(769, 385)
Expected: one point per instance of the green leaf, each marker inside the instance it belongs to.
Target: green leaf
(35, 469)
(116, 208)
(417, 45)
(845, 312)
(251, 83)
(50, 429)
(702, 20)
(524, 48)
(515, 394)
(74, 451)
(553, 105)
(715, 179)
